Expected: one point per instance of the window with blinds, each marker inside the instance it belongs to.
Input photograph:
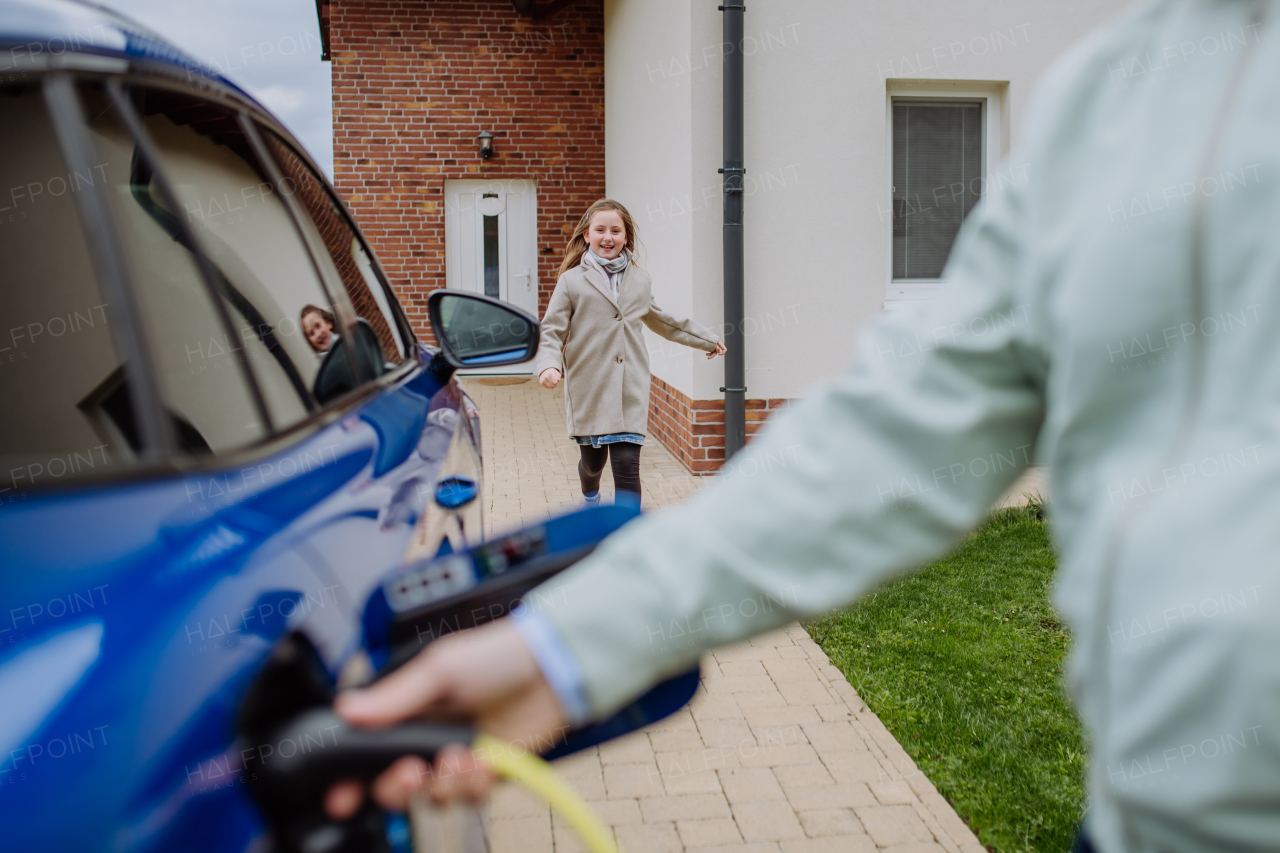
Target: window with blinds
(937, 179)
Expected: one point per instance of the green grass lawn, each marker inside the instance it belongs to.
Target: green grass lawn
(963, 663)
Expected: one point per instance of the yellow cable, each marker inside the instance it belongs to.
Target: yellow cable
(536, 775)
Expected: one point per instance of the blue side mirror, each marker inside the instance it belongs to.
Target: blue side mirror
(479, 331)
(454, 493)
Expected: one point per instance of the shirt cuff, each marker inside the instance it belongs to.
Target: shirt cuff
(558, 665)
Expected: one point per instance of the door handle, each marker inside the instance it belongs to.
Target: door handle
(527, 275)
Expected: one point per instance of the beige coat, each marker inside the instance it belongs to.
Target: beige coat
(599, 347)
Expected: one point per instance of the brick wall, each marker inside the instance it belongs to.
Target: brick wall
(414, 82)
(693, 430)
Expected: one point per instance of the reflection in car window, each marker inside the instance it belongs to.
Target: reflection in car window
(377, 331)
(244, 228)
(198, 364)
(67, 409)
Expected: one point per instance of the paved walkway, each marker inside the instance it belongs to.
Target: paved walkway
(776, 754)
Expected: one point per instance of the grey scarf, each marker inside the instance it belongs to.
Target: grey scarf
(613, 269)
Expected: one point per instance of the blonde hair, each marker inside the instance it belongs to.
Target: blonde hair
(578, 243)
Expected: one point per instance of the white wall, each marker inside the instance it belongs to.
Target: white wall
(648, 157)
(816, 73)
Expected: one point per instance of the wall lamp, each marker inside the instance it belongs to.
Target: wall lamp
(486, 144)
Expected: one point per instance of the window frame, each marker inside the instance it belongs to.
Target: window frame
(900, 292)
(158, 457)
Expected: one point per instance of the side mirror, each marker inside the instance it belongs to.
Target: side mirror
(478, 331)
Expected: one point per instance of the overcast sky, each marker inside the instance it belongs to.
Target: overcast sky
(269, 48)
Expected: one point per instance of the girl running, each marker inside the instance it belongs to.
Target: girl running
(591, 337)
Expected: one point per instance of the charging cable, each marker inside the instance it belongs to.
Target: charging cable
(537, 775)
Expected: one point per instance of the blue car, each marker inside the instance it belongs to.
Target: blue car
(233, 478)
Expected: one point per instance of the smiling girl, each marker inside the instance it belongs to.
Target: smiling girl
(591, 337)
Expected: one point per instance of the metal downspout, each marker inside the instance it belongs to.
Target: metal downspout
(735, 391)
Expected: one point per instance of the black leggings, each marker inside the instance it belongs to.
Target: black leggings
(624, 458)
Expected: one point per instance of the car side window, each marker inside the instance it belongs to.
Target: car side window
(68, 410)
(200, 361)
(287, 329)
(377, 328)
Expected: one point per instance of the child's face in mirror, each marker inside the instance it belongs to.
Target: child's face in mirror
(318, 331)
(606, 234)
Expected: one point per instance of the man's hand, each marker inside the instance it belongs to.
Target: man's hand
(720, 350)
(549, 378)
(487, 675)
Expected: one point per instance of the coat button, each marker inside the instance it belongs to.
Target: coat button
(617, 316)
(618, 359)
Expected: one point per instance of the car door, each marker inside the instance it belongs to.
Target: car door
(178, 496)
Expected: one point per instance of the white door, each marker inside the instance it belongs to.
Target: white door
(490, 232)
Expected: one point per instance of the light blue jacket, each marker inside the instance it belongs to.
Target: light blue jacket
(1113, 309)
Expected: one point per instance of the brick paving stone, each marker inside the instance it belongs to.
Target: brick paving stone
(847, 765)
(749, 684)
(781, 715)
(779, 637)
(708, 833)
(717, 706)
(632, 749)
(526, 834)
(775, 747)
(806, 693)
(770, 698)
(584, 772)
(564, 837)
(678, 741)
(697, 782)
(726, 733)
(895, 793)
(512, 801)
(649, 838)
(743, 669)
(617, 812)
(771, 755)
(838, 735)
(790, 670)
(792, 735)
(750, 784)
(684, 762)
(821, 797)
(742, 653)
(680, 721)
(825, 823)
(803, 776)
(685, 807)
(842, 844)
(893, 825)
(629, 781)
(768, 820)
